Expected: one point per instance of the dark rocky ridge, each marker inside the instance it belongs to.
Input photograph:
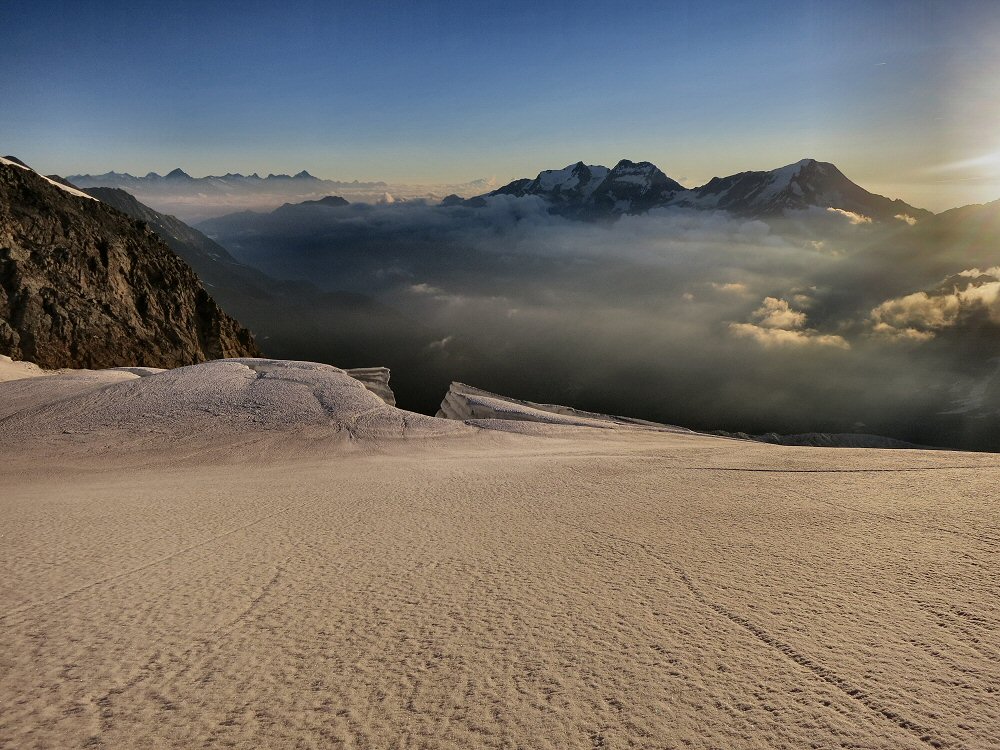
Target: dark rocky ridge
(83, 285)
(216, 267)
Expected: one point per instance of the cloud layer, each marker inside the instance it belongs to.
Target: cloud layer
(698, 318)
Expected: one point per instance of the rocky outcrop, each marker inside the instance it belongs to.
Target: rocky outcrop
(83, 285)
(219, 271)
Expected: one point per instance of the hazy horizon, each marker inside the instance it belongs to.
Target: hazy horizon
(898, 96)
(489, 181)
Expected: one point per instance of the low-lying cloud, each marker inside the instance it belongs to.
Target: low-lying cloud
(704, 319)
(775, 323)
(920, 316)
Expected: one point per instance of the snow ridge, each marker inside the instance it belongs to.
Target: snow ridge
(65, 188)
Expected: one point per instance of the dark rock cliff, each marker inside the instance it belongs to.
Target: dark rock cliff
(83, 285)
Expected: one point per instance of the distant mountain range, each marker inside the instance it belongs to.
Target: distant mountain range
(86, 283)
(594, 191)
(212, 182)
(579, 191)
(195, 199)
(300, 184)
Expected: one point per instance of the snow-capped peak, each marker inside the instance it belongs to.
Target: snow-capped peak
(781, 179)
(635, 187)
(579, 176)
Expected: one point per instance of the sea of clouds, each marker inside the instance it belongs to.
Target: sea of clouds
(819, 321)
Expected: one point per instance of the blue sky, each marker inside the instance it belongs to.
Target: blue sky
(901, 95)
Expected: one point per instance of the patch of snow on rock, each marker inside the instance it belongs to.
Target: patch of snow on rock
(64, 188)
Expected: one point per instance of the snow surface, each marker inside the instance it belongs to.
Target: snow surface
(204, 405)
(571, 588)
(465, 402)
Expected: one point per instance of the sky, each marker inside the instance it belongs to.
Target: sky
(902, 96)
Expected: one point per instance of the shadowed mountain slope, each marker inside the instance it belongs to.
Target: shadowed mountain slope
(83, 285)
(297, 320)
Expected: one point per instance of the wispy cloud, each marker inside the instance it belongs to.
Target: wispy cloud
(851, 216)
(775, 323)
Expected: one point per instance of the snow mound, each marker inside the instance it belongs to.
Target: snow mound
(476, 406)
(11, 369)
(50, 386)
(216, 405)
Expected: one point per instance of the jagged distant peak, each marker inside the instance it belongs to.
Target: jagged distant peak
(575, 176)
(304, 175)
(643, 169)
(178, 173)
(802, 185)
(627, 165)
(636, 187)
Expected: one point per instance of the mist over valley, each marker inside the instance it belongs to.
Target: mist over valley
(786, 301)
